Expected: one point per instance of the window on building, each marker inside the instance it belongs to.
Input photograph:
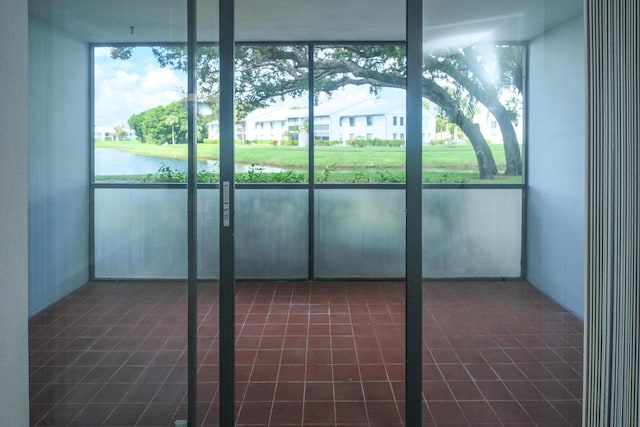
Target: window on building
(401, 121)
(352, 121)
(395, 120)
(369, 121)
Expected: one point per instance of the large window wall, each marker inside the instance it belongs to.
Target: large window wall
(350, 138)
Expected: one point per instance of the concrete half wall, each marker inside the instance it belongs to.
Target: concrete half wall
(556, 193)
(59, 141)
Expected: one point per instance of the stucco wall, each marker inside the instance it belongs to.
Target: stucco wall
(556, 194)
(14, 374)
(59, 141)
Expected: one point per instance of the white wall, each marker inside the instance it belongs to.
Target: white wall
(14, 379)
(59, 140)
(556, 194)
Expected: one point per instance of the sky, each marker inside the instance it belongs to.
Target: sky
(126, 87)
(123, 88)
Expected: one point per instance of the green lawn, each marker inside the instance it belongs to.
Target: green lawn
(455, 163)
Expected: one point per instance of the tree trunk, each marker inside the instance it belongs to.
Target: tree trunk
(486, 163)
(509, 140)
(484, 156)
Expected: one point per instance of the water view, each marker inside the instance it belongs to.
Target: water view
(114, 161)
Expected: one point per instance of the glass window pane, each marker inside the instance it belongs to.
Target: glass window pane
(501, 332)
(473, 120)
(128, 242)
(272, 138)
(106, 351)
(271, 231)
(360, 233)
(360, 97)
(457, 246)
(208, 309)
(140, 114)
(142, 89)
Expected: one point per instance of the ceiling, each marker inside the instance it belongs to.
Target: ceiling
(450, 22)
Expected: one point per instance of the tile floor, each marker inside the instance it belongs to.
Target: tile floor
(317, 353)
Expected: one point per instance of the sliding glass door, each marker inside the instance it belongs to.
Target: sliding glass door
(113, 288)
(496, 350)
(271, 212)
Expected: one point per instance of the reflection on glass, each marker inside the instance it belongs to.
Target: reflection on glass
(106, 352)
(360, 114)
(140, 234)
(271, 233)
(207, 395)
(272, 133)
(457, 246)
(360, 233)
(507, 349)
(476, 94)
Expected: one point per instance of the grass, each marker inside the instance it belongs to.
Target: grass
(454, 163)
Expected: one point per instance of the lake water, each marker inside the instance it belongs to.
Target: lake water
(113, 161)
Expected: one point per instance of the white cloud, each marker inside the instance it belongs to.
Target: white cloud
(123, 88)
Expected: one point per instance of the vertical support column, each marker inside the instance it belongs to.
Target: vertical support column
(612, 338)
(227, 269)
(92, 174)
(414, 215)
(192, 213)
(312, 200)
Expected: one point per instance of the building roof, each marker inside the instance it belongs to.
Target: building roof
(375, 107)
(343, 108)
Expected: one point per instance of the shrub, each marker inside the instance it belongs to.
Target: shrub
(292, 142)
(256, 174)
(326, 143)
(165, 174)
(444, 178)
(376, 142)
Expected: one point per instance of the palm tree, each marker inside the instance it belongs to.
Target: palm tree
(172, 120)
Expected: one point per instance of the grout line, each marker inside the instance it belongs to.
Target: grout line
(558, 334)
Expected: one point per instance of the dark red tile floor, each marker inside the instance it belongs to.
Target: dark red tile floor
(319, 353)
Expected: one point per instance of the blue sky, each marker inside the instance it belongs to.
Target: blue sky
(123, 88)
